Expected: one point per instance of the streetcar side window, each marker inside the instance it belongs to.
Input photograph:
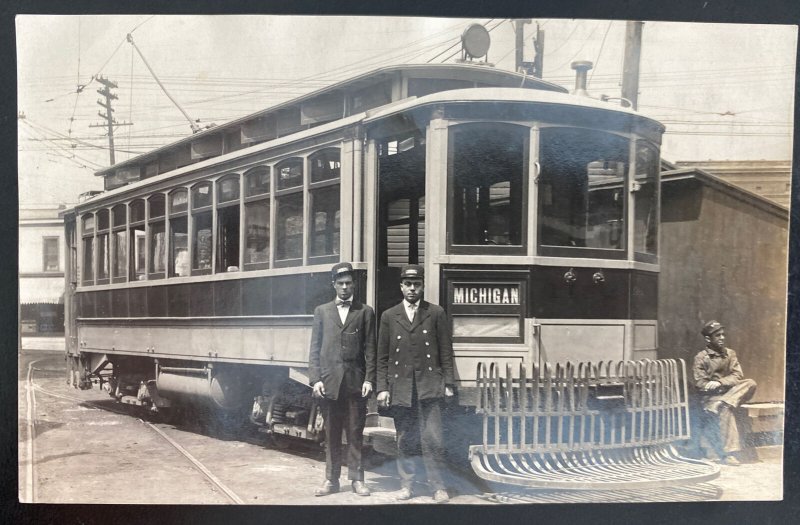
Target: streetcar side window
(179, 234)
(487, 188)
(87, 228)
(257, 218)
(289, 212)
(102, 247)
(136, 240)
(645, 202)
(324, 196)
(582, 197)
(228, 224)
(119, 238)
(202, 241)
(156, 266)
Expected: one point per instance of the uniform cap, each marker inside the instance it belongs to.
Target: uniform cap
(340, 269)
(412, 271)
(711, 327)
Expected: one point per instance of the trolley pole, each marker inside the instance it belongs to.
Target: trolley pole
(108, 115)
(630, 65)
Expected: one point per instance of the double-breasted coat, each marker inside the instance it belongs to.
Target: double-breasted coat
(342, 353)
(420, 352)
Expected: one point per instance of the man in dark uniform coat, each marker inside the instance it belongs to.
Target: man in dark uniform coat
(719, 380)
(341, 368)
(415, 373)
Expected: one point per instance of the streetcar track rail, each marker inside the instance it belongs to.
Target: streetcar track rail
(33, 387)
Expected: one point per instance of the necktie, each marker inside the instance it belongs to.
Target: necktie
(412, 308)
(339, 302)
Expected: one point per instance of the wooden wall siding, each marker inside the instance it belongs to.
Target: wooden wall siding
(724, 258)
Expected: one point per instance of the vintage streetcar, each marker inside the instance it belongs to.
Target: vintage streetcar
(193, 276)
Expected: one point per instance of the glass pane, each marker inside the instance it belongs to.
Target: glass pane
(178, 201)
(257, 232)
(137, 211)
(202, 246)
(137, 252)
(581, 188)
(157, 204)
(51, 254)
(258, 182)
(120, 253)
(88, 259)
(201, 196)
(325, 166)
(158, 248)
(228, 189)
(118, 215)
(102, 256)
(228, 239)
(179, 244)
(485, 326)
(88, 223)
(290, 227)
(645, 221)
(290, 174)
(102, 219)
(488, 197)
(325, 221)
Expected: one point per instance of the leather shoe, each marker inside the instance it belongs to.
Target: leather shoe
(329, 487)
(441, 496)
(360, 488)
(404, 494)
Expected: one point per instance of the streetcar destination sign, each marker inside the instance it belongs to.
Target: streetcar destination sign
(485, 293)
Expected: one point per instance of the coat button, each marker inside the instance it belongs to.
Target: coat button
(429, 356)
(424, 331)
(397, 362)
(429, 368)
(397, 350)
(399, 337)
(427, 343)
(395, 376)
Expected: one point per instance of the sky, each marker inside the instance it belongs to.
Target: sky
(724, 91)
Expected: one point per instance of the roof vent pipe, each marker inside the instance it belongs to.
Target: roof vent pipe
(581, 67)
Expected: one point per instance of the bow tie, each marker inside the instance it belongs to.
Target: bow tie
(339, 302)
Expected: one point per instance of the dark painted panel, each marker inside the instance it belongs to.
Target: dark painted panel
(227, 298)
(137, 302)
(178, 300)
(288, 294)
(201, 302)
(644, 295)
(102, 304)
(157, 301)
(119, 303)
(552, 297)
(86, 304)
(256, 295)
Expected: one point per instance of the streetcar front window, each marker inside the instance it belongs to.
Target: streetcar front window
(582, 191)
(88, 260)
(325, 221)
(487, 187)
(201, 247)
(257, 232)
(120, 253)
(179, 247)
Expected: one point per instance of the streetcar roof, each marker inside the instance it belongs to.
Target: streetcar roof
(476, 73)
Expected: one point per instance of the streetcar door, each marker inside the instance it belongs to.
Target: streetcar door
(401, 213)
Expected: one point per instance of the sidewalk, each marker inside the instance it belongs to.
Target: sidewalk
(43, 343)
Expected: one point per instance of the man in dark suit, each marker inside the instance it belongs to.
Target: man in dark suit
(415, 374)
(341, 368)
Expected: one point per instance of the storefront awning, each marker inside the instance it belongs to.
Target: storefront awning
(41, 290)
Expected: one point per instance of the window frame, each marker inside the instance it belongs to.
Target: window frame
(302, 189)
(217, 265)
(194, 212)
(314, 187)
(133, 225)
(173, 216)
(49, 239)
(84, 237)
(258, 198)
(115, 229)
(151, 220)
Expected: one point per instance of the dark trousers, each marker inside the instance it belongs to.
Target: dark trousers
(419, 431)
(723, 430)
(348, 412)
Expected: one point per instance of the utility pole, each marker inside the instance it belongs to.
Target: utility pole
(108, 115)
(630, 64)
(538, 49)
(519, 33)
